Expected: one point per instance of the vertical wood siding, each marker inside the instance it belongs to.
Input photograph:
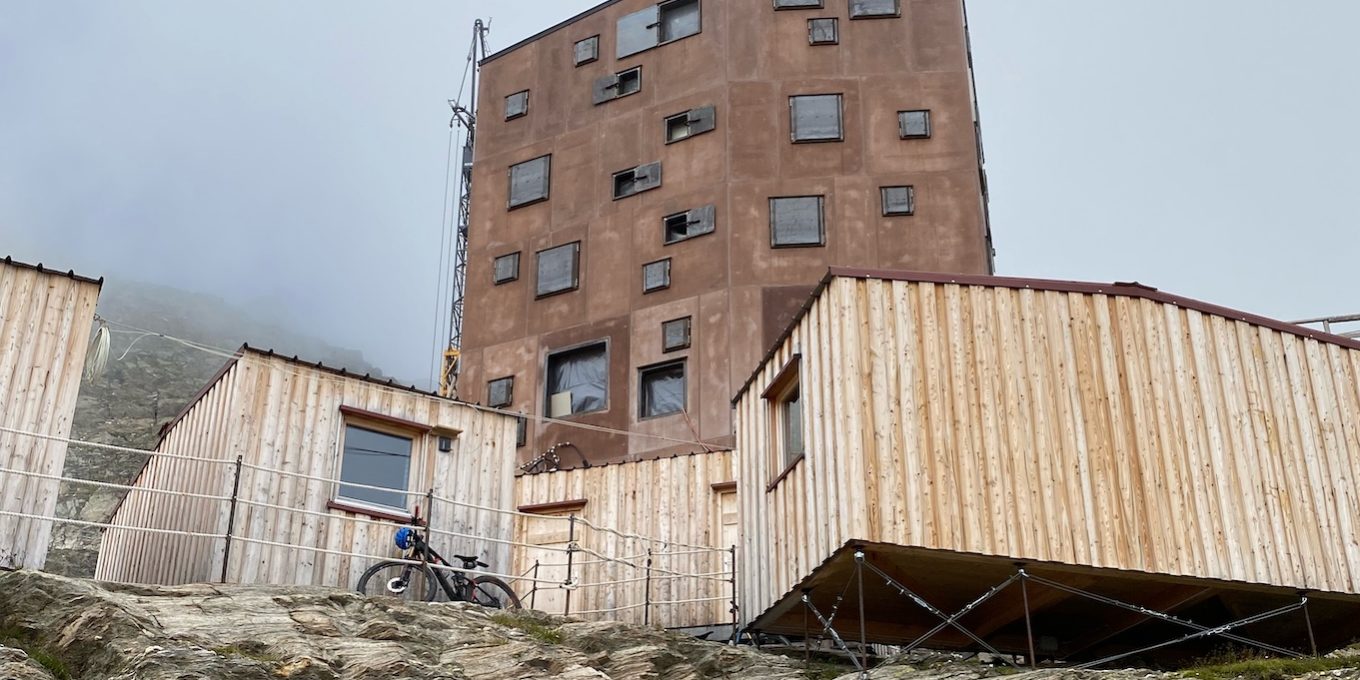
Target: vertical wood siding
(45, 321)
(668, 499)
(285, 416)
(1089, 429)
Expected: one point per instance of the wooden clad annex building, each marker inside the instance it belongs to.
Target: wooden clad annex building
(297, 426)
(45, 320)
(1111, 437)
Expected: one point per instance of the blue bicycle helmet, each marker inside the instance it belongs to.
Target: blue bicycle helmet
(404, 538)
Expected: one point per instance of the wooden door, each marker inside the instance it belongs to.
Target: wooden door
(727, 534)
(550, 536)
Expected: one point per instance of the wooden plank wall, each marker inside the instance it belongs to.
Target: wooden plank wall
(45, 321)
(668, 499)
(283, 415)
(1088, 429)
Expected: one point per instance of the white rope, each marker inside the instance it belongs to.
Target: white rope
(645, 539)
(101, 525)
(111, 447)
(657, 570)
(610, 610)
(111, 485)
(658, 603)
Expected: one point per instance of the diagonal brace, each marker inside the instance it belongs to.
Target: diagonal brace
(1205, 632)
(826, 627)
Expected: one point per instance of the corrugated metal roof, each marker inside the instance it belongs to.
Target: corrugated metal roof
(70, 274)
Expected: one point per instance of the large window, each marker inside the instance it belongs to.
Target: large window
(660, 23)
(559, 269)
(375, 458)
(529, 181)
(578, 380)
(796, 221)
(823, 31)
(661, 390)
(815, 118)
(868, 9)
(517, 105)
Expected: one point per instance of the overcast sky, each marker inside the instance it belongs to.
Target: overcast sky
(291, 155)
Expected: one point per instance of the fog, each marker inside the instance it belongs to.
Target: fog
(292, 156)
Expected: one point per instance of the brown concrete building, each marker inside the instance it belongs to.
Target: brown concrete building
(658, 187)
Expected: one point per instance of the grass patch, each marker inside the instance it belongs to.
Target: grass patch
(1267, 669)
(13, 636)
(825, 670)
(534, 629)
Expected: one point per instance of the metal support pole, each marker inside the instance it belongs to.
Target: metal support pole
(1308, 620)
(533, 592)
(863, 634)
(647, 592)
(1029, 627)
(807, 639)
(571, 552)
(735, 609)
(231, 519)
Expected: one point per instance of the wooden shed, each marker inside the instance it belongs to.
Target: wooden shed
(45, 321)
(1112, 438)
(297, 428)
(679, 512)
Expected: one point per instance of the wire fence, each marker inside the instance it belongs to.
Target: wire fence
(195, 518)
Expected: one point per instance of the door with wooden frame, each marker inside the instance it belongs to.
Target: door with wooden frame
(549, 534)
(726, 532)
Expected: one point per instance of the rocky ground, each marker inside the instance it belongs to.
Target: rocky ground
(56, 628)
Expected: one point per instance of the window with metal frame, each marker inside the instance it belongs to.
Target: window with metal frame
(558, 269)
(797, 221)
(622, 84)
(529, 181)
(823, 31)
(690, 123)
(505, 268)
(586, 51)
(637, 180)
(899, 200)
(517, 105)
(869, 9)
(675, 334)
(913, 124)
(374, 457)
(656, 276)
(689, 224)
(661, 390)
(657, 25)
(797, 4)
(500, 392)
(815, 118)
(578, 380)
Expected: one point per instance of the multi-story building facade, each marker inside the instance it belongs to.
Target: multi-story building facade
(659, 186)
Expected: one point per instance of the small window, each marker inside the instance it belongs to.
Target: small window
(656, 275)
(913, 124)
(521, 431)
(559, 269)
(609, 88)
(661, 390)
(505, 268)
(797, 221)
(898, 200)
(815, 118)
(688, 224)
(375, 458)
(690, 123)
(675, 334)
(658, 24)
(529, 181)
(578, 380)
(823, 31)
(517, 105)
(500, 392)
(587, 50)
(790, 411)
(797, 4)
(863, 9)
(637, 180)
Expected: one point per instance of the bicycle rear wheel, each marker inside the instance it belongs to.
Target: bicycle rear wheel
(399, 580)
(490, 591)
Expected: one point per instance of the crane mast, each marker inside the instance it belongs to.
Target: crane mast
(464, 117)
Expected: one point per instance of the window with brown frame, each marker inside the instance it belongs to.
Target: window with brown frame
(784, 400)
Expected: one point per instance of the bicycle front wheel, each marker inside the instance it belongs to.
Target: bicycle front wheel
(490, 591)
(399, 580)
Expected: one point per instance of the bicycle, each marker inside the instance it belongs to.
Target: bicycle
(421, 582)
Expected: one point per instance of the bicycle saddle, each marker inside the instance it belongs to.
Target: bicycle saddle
(466, 560)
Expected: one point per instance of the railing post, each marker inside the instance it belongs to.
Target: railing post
(571, 552)
(231, 519)
(533, 592)
(647, 592)
(1308, 621)
(733, 581)
(863, 634)
(1029, 628)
